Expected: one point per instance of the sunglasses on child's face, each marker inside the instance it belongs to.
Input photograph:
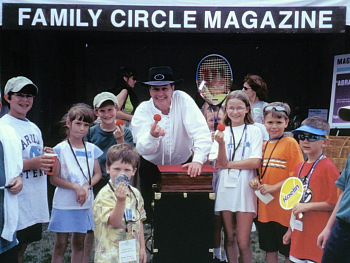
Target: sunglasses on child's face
(310, 137)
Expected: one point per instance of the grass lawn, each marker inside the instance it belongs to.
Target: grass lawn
(40, 252)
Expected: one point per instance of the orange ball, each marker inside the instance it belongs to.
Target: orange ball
(157, 117)
(119, 122)
(221, 127)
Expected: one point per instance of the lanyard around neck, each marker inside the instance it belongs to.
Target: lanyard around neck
(87, 161)
(234, 142)
(309, 173)
(268, 160)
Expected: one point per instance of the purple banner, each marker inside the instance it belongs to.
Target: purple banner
(342, 95)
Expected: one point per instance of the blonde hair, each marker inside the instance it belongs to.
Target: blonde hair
(240, 95)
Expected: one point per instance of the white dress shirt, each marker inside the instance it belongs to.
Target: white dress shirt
(186, 131)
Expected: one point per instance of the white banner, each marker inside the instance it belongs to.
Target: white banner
(193, 3)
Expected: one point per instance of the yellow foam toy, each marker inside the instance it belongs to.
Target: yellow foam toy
(291, 193)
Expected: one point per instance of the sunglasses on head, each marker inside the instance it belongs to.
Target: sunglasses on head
(311, 137)
(276, 108)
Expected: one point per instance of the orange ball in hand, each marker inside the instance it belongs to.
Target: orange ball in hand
(221, 127)
(119, 122)
(157, 117)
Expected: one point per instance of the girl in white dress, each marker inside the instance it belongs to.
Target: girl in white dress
(238, 152)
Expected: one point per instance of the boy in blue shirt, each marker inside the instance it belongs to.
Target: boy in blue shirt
(107, 133)
(335, 238)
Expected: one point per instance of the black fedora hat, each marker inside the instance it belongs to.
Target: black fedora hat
(159, 76)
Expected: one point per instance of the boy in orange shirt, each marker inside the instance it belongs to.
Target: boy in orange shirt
(280, 156)
(318, 174)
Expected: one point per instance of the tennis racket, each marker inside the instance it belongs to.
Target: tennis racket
(214, 79)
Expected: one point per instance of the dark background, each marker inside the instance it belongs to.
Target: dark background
(73, 66)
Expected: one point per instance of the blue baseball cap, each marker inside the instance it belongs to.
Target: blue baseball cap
(310, 129)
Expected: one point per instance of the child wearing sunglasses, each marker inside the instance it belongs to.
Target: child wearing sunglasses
(280, 155)
(318, 174)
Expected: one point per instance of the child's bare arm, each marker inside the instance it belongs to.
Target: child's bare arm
(222, 158)
(97, 173)
(57, 181)
(116, 216)
(143, 255)
(267, 188)
(250, 163)
(287, 236)
(81, 193)
(323, 237)
(312, 206)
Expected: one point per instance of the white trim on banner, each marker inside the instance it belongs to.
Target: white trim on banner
(195, 3)
(340, 90)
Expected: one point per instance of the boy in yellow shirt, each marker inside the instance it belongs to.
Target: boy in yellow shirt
(119, 211)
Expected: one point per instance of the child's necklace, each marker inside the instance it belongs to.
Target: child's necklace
(234, 142)
(87, 162)
(309, 174)
(268, 160)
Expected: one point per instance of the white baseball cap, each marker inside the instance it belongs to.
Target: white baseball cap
(17, 83)
(104, 96)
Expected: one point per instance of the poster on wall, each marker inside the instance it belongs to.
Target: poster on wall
(318, 112)
(340, 90)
